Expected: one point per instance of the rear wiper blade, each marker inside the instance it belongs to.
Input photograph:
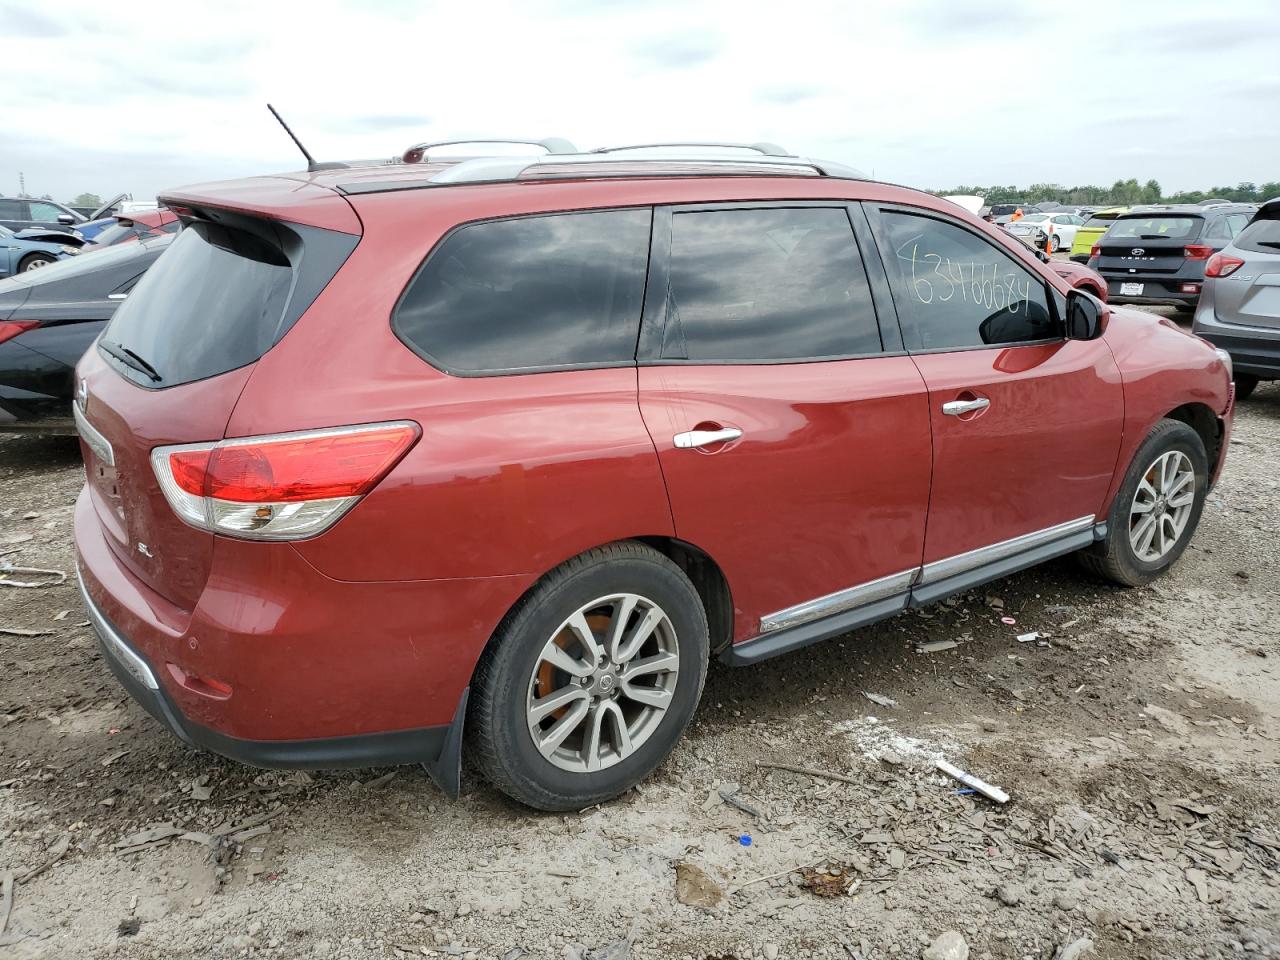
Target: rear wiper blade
(1270, 243)
(131, 359)
(1154, 236)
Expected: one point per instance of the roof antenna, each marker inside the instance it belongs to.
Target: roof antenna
(312, 165)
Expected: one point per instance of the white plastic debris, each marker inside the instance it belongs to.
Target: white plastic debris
(969, 780)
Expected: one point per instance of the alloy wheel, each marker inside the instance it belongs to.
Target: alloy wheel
(36, 265)
(1162, 506)
(602, 683)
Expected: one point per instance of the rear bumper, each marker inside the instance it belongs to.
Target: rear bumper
(1164, 288)
(318, 672)
(425, 745)
(1256, 355)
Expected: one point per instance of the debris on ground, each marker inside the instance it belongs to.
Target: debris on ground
(830, 879)
(950, 946)
(936, 646)
(51, 578)
(1075, 950)
(880, 699)
(694, 888)
(969, 780)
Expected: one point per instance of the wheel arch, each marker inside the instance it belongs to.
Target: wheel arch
(705, 574)
(1201, 418)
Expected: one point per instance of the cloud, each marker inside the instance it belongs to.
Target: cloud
(995, 20)
(787, 94)
(22, 21)
(375, 122)
(678, 51)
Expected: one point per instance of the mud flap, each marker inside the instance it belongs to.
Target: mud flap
(446, 769)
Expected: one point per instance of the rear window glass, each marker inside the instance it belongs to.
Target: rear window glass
(1261, 236)
(1156, 228)
(530, 293)
(213, 302)
(1102, 220)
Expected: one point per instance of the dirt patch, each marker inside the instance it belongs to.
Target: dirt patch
(1137, 737)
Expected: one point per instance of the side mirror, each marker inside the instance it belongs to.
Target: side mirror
(1084, 316)
(66, 219)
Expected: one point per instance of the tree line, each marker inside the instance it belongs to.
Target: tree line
(1120, 193)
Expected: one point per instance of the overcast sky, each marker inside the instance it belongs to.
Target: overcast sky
(130, 96)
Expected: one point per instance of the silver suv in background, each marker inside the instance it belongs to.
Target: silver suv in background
(1239, 308)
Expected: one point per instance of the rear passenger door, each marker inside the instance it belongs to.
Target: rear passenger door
(794, 441)
(1026, 424)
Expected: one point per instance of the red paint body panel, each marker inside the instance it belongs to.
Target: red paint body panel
(1080, 277)
(826, 489)
(1043, 453)
(305, 656)
(1164, 367)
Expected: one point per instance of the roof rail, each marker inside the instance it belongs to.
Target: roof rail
(553, 145)
(767, 149)
(491, 169)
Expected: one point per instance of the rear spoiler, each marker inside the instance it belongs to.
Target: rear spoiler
(1268, 211)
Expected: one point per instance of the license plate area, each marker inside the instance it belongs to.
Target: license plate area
(1131, 289)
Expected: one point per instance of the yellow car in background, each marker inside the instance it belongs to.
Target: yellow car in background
(1097, 224)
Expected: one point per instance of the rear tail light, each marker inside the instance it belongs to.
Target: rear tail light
(1221, 265)
(11, 328)
(1095, 250)
(1197, 251)
(286, 486)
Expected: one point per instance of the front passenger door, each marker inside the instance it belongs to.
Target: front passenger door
(1026, 424)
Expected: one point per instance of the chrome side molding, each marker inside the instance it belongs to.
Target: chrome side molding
(941, 569)
(865, 594)
(839, 601)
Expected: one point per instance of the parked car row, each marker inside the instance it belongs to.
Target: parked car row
(49, 317)
(1157, 254)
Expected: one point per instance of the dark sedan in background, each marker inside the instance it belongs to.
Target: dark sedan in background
(48, 318)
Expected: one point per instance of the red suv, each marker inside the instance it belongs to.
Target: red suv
(383, 454)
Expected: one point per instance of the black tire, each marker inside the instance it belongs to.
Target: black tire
(497, 725)
(1246, 383)
(33, 261)
(1113, 558)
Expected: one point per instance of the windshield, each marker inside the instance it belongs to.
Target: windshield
(117, 232)
(1155, 228)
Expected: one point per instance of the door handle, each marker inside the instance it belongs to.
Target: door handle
(955, 408)
(705, 438)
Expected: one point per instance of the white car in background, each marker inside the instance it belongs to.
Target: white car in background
(1060, 227)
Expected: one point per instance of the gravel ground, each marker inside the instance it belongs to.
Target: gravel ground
(1137, 738)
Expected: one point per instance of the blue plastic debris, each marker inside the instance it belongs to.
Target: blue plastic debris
(745, 839)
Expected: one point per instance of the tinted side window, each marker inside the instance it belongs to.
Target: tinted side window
(13, 210)
(767, 284)
(1237, 222)
(953, 289)
(553, 291)
(1217, 230)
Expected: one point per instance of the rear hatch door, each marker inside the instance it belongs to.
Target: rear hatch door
(1250, 294)
(1148, 244)
(171, 364)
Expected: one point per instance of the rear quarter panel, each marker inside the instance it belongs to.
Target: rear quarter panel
(1163, 368)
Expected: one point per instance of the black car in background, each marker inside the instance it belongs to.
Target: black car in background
(1158, 254)
(48, 318)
